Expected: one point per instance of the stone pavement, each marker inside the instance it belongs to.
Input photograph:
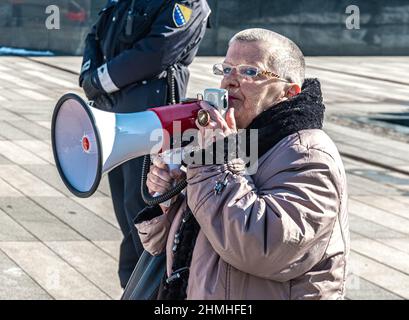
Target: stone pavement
(56, 246)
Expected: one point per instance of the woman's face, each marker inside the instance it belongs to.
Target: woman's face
(250, 96)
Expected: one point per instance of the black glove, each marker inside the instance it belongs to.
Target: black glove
(104, 102)
(92, 86)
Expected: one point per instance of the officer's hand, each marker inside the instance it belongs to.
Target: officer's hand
(160, 179)
(104, 102)
(92, 86)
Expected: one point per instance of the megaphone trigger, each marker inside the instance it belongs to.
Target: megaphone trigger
(203, 117)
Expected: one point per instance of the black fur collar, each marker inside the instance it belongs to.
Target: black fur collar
(304, 111)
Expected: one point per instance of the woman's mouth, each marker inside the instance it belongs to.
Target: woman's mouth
(232, 99)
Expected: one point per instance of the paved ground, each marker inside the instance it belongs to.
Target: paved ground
(56, 246)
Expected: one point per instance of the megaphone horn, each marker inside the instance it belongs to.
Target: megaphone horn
(88, 142)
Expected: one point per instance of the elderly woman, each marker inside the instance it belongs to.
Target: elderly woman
(280, 233)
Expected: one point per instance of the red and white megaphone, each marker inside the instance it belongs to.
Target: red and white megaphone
(88, 142)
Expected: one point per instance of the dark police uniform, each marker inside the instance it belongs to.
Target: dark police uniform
(131, 53)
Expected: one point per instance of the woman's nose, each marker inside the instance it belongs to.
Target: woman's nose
(230, 80)
(233, 73)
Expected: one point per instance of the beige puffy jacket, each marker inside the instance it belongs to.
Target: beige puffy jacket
(281, 233)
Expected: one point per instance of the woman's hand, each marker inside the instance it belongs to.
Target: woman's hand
(218, 127)
(160, 179)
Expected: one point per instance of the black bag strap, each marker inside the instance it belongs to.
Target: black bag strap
(146, 278)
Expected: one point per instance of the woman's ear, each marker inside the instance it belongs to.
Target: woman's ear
(293, 90)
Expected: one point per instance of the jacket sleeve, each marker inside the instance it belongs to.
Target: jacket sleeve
(92, 57)
(278, 230)
(153, 227)
(162, 47)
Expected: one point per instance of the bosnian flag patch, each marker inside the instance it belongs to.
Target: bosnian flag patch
(181, 15)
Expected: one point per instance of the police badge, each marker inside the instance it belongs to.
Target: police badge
(181, 15)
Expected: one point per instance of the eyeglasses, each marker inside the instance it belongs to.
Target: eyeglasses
(224, 69)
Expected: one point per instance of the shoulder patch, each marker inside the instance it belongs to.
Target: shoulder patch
(181, 15)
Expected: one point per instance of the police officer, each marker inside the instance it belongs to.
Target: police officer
(137, 56)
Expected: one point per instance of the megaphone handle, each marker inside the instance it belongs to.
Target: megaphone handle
(167, 203)
(147, 197)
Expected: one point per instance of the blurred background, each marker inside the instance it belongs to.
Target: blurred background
(317, 26)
